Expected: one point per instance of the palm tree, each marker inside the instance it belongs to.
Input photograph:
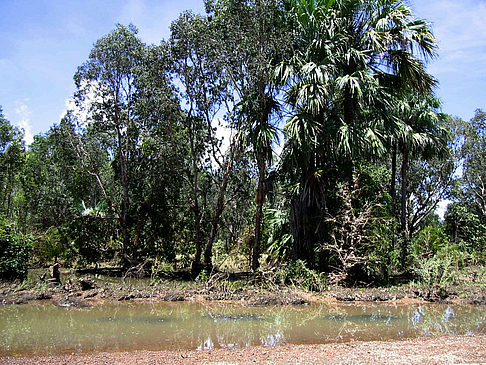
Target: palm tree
(352, 58)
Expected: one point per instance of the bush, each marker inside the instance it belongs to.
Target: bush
(428, 242)
(298, 274)
(52, 245)
(434, 274)
(93, 239)
(382, 249)
(15, 251)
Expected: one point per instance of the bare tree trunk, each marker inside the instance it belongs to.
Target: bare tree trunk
(197, 216)
(123, 218)
(208, 251)
(260, 200)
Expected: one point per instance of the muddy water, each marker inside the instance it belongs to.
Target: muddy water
(47, 329)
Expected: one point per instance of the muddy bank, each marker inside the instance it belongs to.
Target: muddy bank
(438, 350)
(90, 290)
(86, 290)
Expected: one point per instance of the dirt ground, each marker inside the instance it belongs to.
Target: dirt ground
(436, 350)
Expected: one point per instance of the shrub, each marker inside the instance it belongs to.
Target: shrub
(52, 245)
(428, 242)
(434, 274)
(15, 251)
(298, 274)
(93, 238)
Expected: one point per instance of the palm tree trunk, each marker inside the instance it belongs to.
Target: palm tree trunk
(393, 180)
(404, 205)
(303, 211)
(260, 199)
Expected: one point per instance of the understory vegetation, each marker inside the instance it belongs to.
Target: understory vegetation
(300, 138)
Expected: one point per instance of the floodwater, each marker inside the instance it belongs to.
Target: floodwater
(37, 329)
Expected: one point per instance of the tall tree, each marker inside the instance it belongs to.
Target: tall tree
(109, 78)
(133, 113)
(473, 153)
(199, 65)
(351, 57)
(254, 38)
(420, 135)
(11, 161)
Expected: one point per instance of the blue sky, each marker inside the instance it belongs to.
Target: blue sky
(42, 42)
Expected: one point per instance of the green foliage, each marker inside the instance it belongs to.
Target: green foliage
(280, 239)
(298, 274)
(464, 226)
(203, 276)
(382, 249)
(139, 173)
(93, 239)
(435, 273)
(12, 157)
(15, 249)
(52, 245)
(428, 242)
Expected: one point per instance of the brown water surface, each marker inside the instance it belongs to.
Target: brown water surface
(46, 329)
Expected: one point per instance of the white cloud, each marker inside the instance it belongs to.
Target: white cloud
(442, 208)
(24, 113)
(83, 111)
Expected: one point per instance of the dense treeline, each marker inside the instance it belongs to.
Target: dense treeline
(301, 134)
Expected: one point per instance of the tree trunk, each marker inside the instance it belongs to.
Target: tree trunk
(393, 180)
(197, 216)
(208, 251)
(9, 191)
(196, 263)
(123, 218)
(404, 205)
(302, 212)
(260, 200)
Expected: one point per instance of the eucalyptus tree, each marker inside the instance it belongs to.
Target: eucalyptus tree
(352, 57)
(12, 154)
(421, 138)
(254, 39)
(132, 111)
(54, 190)
(207, 98)
(108, 77)
(465, 218)
(473, 153)
(49, 182)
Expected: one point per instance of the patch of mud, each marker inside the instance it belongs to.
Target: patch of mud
(368, 294)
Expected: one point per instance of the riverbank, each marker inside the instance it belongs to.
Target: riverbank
(81, 290)
(429, 350)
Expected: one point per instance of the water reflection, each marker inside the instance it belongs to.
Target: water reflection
(45, 328)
